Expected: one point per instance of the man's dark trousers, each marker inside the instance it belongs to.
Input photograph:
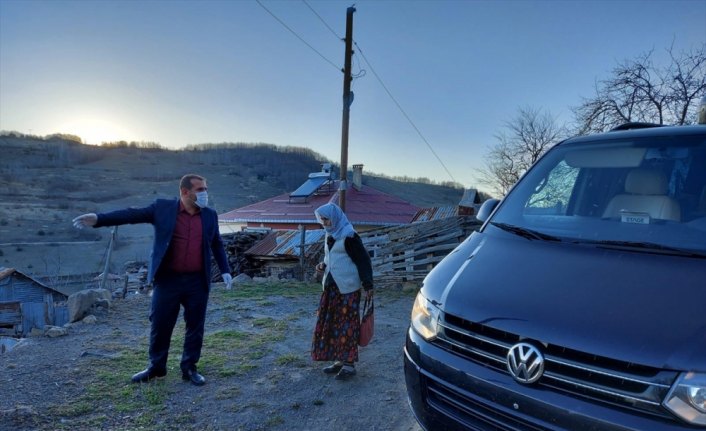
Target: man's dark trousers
(171, 291)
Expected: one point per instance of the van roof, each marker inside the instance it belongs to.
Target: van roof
(639, 132)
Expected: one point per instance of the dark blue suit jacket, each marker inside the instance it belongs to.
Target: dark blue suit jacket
(162, 214)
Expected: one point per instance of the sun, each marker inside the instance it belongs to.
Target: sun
(95, 131)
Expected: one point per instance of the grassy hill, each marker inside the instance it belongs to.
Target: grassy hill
(46, 182)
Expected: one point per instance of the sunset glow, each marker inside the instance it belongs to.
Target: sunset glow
(95, 131)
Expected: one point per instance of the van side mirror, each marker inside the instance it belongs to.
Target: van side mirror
(486, 209)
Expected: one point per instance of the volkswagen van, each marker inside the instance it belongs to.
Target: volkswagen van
(580, 304)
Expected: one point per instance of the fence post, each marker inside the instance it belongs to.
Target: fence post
(107, 257)
(302, 244)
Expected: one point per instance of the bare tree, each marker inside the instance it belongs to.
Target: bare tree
(529, 135)
(640, 91)
(687, 85)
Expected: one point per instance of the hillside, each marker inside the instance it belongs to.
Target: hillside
(47, 182)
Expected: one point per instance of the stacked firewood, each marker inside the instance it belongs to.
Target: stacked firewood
(236, 244)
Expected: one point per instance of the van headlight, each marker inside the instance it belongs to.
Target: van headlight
(687, 398)
(425, 317)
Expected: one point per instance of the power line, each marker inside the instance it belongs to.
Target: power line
(361, 72)
(322, 20)
(299, 37)
(359, 75)
(404, 113)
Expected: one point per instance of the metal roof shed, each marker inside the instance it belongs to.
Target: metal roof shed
(26, 303)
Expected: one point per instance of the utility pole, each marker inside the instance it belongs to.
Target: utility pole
(347, 100)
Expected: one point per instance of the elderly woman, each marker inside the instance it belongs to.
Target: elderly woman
(346, 268)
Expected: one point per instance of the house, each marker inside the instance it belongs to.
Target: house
(366, 208)
(26, 303)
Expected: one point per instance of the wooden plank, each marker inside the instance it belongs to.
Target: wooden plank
(61, 315)
(33, 316)
(426, 247)
(403, 265)
(454, 237)
(407, 253)
(10, 313)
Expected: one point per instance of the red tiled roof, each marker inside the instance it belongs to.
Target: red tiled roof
(367, 206)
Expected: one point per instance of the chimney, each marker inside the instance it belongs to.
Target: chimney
(358, 177)
(470, 202)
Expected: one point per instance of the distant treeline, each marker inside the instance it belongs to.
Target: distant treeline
(134, 144)
(258, 156)
(52, 137)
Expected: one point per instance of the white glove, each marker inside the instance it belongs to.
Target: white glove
(85, 220)
(228, 280)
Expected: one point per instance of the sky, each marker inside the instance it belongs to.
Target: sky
(434, 82)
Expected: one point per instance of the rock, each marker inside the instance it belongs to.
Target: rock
(102, 303)
(100, 354)
(22, 342)
(81, 302)
(19, 411)
(55, 331)
(90, 319)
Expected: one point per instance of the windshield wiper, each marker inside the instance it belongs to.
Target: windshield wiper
(525, 233)
(646, 246)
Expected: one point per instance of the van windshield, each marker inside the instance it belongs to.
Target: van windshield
(645, 193)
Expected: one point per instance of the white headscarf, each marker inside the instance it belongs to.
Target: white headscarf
(340, 226)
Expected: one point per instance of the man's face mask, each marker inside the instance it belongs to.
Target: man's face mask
(201, 199)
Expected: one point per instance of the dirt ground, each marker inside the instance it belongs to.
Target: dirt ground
(44, 381)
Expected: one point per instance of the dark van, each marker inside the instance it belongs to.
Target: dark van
(580, 304)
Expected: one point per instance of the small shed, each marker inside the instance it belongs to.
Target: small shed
(26, 303)
(280, 253)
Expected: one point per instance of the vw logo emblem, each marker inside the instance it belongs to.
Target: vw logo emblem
(525, 363)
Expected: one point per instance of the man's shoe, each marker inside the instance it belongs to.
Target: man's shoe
(146, 375)
(193, 376)
(345, 373)
(333, 368)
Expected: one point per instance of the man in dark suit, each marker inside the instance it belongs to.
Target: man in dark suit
(185, 234)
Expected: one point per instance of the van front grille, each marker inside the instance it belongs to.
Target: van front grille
(624, 384)
(472, 414)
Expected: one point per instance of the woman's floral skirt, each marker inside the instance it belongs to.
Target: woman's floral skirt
(337, 326)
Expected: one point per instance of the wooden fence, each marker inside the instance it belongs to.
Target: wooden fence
(407, 253)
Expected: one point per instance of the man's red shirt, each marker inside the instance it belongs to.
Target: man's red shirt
(185, 253)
